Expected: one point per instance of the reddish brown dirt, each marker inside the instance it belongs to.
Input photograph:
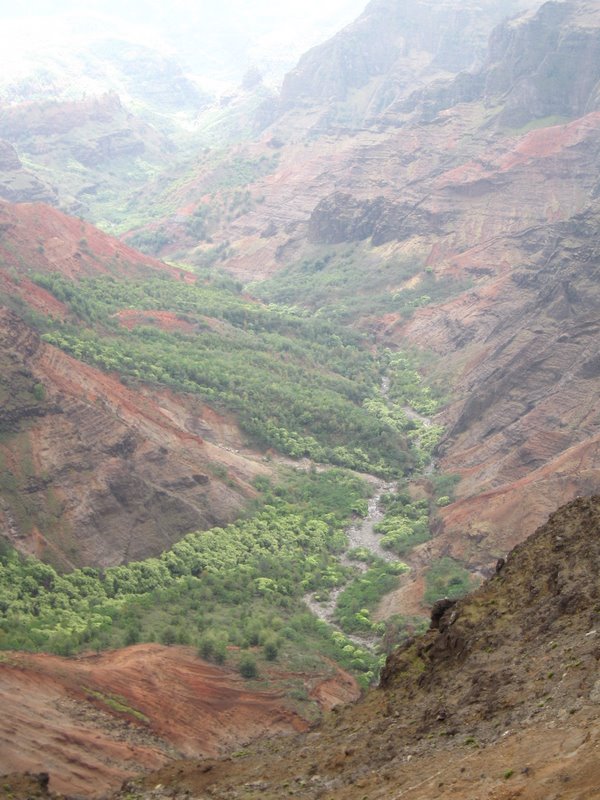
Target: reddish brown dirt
(36, 297)
(549, 142)
(496, 520)
(338, 690)
(68, 245)
(165, 320)
(57, 714)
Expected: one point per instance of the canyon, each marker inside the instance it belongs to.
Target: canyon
(426, 180)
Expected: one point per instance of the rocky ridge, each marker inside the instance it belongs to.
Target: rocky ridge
(389, 49)
(499, 699)
(18, 184)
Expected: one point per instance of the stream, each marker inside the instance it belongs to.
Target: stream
(362, 534)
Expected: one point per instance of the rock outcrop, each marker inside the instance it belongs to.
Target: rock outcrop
(391, 47)
(542, 64)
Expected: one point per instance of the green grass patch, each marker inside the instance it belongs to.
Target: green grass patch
(447, 577)
(117, 703)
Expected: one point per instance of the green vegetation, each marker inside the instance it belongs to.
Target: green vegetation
(117, 703)
(446, 577)
(238, 171)
(442, 486)
(356, 602)
(405, 524)
(302, 385)
(216, 175)
(248, 666)
(349, 282)
(541, 122)
(239, 586)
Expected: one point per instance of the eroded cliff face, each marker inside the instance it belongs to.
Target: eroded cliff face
(89, 147)
(98, 474)
(520, 349)
(546, 65)
(90, 723)
(392, 48)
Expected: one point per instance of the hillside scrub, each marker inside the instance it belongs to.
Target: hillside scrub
(237, 586)
(304, 386)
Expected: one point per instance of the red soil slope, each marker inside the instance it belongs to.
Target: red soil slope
(36, 237)
(93, 721)
(116, 460)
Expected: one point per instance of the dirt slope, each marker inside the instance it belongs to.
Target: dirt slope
(97, 473)
(500, 699)
(36, 237)
(93, 721)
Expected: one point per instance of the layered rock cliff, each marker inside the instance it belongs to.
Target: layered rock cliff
(392, 48)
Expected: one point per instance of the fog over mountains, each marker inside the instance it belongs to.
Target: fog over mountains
(216, 42)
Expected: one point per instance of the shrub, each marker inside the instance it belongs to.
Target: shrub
(271, 650)
(248, 667)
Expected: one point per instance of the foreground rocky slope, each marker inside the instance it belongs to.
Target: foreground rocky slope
(499, 699)
(94, 721)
